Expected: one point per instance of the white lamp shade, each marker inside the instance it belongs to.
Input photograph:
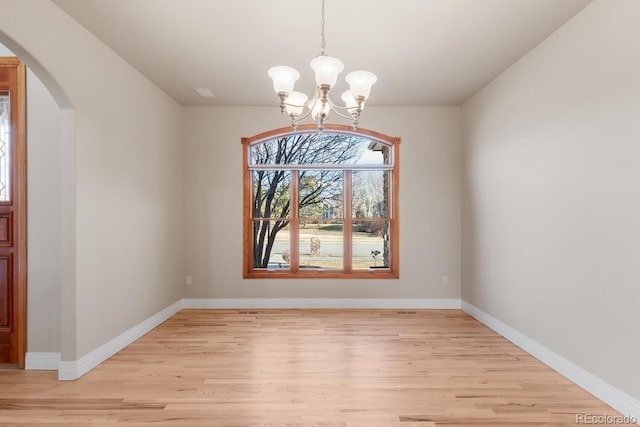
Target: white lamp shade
(318, 109)
(360, 82)
(327, 69)
(297, 101)
(283, 78)
(350, 101)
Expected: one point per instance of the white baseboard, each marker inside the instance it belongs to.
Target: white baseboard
(604, 391)
(232, 303)
(42, 361)
(75, 369)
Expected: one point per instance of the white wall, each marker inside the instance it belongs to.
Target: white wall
(429, 205)
(551, 194)
(44, 215)
(125, 193)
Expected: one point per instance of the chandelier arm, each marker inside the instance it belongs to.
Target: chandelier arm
(303, 116)
(335, 110)
(339, 107)
(305, 105)
(313, 98)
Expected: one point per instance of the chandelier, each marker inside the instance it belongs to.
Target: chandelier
(298, 106)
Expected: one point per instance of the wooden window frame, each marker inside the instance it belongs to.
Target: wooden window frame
(393, 272)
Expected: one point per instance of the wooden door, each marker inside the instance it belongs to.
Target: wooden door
(13, 295)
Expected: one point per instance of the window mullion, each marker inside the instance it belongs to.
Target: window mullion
(294, 225)
(346, 224)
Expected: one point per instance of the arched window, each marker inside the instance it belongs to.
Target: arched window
(321, 205)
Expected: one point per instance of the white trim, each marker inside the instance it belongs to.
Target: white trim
(604, 391)
(75, 369)
(232, 303)
(42, 361)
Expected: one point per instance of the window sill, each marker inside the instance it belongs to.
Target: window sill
(322, 274)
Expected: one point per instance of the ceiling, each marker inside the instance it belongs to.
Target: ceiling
(424, 52)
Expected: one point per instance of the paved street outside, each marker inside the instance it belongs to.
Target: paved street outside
(331, 250)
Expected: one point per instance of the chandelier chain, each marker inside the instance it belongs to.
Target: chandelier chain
(322, 40)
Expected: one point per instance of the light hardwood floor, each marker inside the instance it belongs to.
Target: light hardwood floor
(307, 368)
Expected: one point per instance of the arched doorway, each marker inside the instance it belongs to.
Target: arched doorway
(49, 162)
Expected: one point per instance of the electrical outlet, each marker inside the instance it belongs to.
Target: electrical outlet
(187, 280)
(445, 280)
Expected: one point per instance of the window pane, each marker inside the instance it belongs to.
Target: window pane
(321, 245)
(320, 148)
(321, 194)
(373, 153)
(271, 246)
(370, 240)
(370, 194)
(266, 153)
(271, 194)
(5, 149)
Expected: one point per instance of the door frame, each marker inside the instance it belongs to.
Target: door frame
(19, 200)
